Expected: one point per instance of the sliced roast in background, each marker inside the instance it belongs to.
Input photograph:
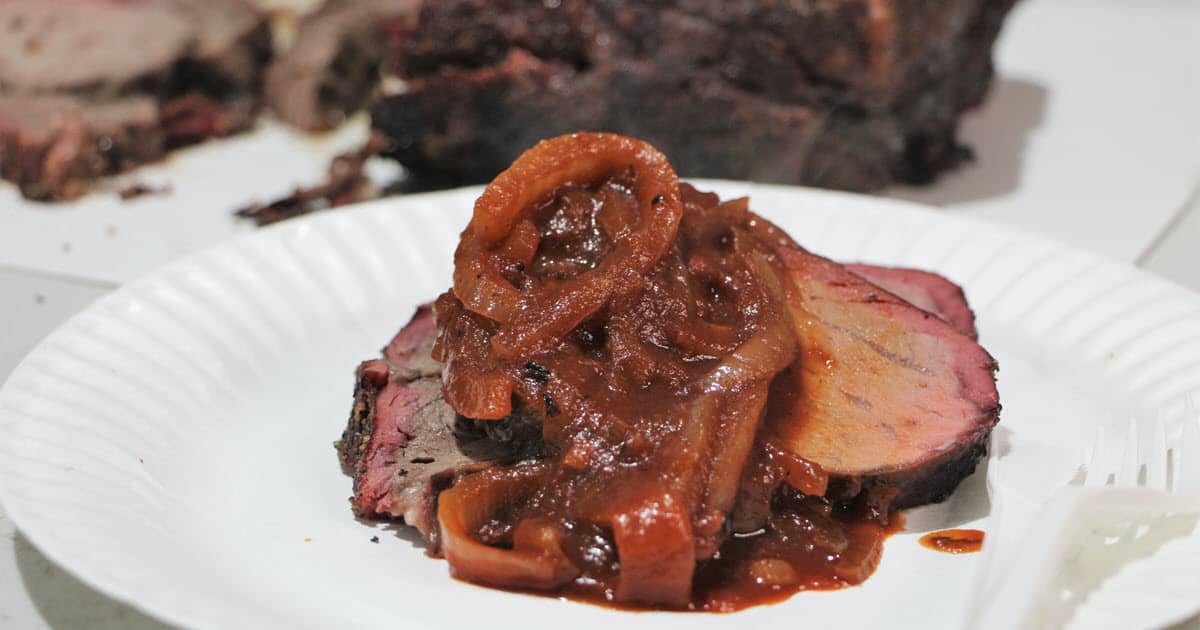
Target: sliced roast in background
(891, 401)
(81, 45)
(231, 45)
(852, 94)
(332, 66)
(53, 146)
(90, 88)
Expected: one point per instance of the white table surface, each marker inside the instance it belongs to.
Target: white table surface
(1092, 136)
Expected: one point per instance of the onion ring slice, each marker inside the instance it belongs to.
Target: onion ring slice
(544, 314)
(469, 504)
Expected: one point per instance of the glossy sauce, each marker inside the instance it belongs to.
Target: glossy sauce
(788, 537)
(954, 541)
(649, 379)
(810, 547)
(803, 550)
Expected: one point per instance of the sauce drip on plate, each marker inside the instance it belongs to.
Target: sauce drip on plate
(954, 541)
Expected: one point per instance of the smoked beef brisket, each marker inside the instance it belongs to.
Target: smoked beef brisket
(851, 94)
(924, 290)
(404, 444)
(94, 87)
(885, 397)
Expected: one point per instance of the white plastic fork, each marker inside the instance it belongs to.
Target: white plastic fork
(1137, 474)
(1160, 586)
(1159, 452)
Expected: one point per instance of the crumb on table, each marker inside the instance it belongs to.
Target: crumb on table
(140, 189)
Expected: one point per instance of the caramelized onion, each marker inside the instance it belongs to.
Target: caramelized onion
(547, 313)
(642, 323)
(654, 540)
(773, 572)
(534, 562)
(759, 358)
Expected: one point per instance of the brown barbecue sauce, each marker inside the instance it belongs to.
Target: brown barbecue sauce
(811, 547)
(650, 407)
(954, 541)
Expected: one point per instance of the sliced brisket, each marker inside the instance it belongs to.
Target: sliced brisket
(887, 398)
(404, 444)
(232, 41)
(87, 45)
(52, 146)
(924, 290)
(332, 67)
(94, 87)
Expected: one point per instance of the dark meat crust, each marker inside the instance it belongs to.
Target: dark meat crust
(403, 444)
(921, 486)
(356, 437)
(851, 94)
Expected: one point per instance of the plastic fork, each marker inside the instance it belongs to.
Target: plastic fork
(1138, 473)
(1159, 452)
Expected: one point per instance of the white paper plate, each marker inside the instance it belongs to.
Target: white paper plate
(172, 444)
